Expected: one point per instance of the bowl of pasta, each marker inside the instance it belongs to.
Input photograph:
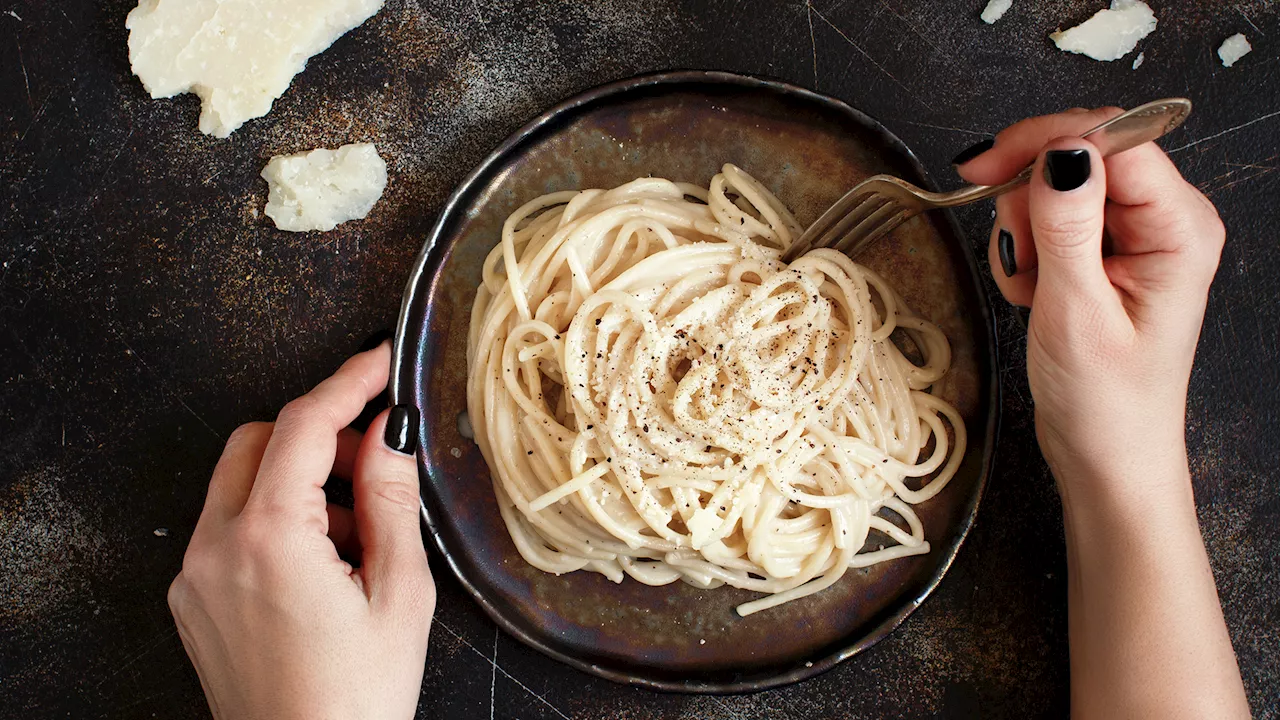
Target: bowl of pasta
(652, 450)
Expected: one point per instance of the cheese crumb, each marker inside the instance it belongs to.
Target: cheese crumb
(995, 10)
(237, 55)
(1110, 34)
(317, 190)
(464, 426)
(1137, 62)
(1234, 48)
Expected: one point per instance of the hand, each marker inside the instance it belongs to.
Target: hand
(1115, 266)
(1115, 258)
(277, 624)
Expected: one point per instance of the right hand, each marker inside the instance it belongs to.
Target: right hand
(1116, 272)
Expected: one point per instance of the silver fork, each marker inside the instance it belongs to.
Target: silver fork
(883, 202)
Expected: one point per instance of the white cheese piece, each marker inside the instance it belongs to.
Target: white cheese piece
(995, 10)
(1234, 48)
(317, 190)
(1110, 34)
(237, 55)
(1137, 62)
(464, 426)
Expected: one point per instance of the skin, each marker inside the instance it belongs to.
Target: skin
(1110, 343)
(279, 625)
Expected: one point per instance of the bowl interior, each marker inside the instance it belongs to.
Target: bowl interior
(808, 150)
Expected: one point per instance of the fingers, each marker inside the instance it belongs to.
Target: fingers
(1162, 237)
(303, 448)
(343, 533)
(342, 522)
(1153, 209)
(1144, 175)
(1018, 288)
(1017, 145)
(344, 459)
(1164, 258)
(1011, 249)
(387, 505)
(233, 475)
(1066, 203)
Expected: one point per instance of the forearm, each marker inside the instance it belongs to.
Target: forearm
(1147, 633)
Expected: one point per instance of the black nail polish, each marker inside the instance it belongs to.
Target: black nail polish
(402, 429)
(1066, 169)
(973, 151)
(376, 339)
(1004, 246)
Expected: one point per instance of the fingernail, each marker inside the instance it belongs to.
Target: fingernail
(1004, 246)
(376, 339)
(1066, 169)
(402, 429)
(973, 151)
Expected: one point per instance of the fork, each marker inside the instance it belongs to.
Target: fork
(881, 203)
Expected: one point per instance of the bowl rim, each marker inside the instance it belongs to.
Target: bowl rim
(427, 264)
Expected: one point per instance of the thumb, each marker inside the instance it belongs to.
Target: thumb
(385, 490)
(1066, 203)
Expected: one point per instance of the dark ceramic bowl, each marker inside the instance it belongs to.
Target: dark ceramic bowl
(806, 148)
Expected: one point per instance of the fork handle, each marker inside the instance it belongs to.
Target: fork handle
(1123, 132)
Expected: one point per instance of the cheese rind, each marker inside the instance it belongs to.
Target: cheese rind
(237, 55)
(319, 189)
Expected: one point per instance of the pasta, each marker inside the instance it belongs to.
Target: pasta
(658, 396)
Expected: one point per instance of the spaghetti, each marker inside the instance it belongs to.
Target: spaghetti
(658, 396)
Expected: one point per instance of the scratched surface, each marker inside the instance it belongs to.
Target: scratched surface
(146, 309)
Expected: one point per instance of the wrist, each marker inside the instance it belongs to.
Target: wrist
(1129, 448)
(1134, 493)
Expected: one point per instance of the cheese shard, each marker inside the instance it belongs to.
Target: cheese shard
(995, 10)
(1110, 34)
(319, 189)
(1234, 48)
(237, 55)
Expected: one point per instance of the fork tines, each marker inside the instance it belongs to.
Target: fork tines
(862, 215)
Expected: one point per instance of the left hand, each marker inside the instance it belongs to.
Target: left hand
(277, 624)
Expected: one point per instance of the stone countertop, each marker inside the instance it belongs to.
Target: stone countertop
(147, 308)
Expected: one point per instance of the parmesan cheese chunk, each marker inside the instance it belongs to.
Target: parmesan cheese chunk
(1234, 48)
(317, 190)
(995, 10)
(237, 55)
(1110, 34)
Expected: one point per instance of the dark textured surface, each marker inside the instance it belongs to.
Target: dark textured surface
(806, 149)
(145, 310)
